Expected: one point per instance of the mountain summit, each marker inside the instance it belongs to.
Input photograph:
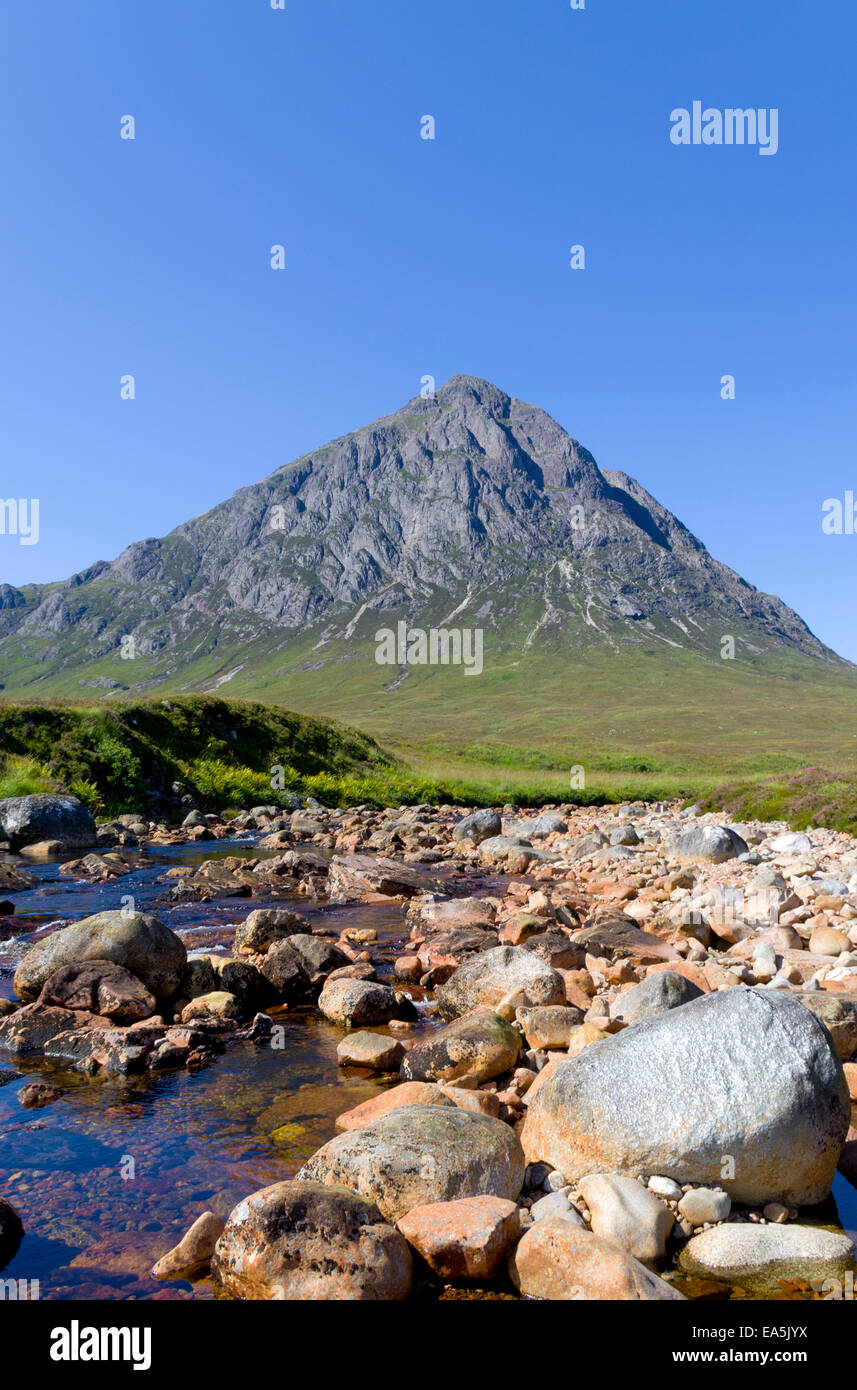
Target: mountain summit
(468, 506)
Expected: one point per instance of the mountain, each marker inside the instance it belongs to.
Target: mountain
(469, 509)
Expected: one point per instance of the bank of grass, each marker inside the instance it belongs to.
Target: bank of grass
(812, 797)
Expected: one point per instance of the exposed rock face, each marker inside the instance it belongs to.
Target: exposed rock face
(475, 1048)
(744, 1072)
(471, 492)
(558, 1260)
(99, 987)
(487, 979)
(25, 820)
(420, 1154)
(134, 940)
(311, 1242)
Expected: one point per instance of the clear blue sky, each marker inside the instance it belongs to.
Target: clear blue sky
(407, 257)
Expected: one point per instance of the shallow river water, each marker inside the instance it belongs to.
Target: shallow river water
(111, 1175)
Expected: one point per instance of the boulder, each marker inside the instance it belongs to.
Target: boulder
(407, 1093)
(612, 934)
(311, 1242)
(357, 877)
(538, 827)
(419, 1154)
(745, 1073)
(627, 1215)
(551, 1026)
(28, 1031)
(556, 950)
(475, 1048)
(318, 957)
(709, 844)
(468, 1239)
(558, 1260)
(24, 820)
(219, 1004)
(499, 847)
(792, 842)
(134, 940)
(260, 929)
(489, 977)
(371, 1050)
(99, 987)
(354, 1003)
(191, 1258)
(838, 1013)
(761, 1256)
(478, 827)
(656, 994)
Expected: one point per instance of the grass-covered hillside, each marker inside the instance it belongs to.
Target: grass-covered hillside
(812, 797)
(224, 753)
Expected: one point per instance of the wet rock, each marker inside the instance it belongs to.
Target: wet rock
(371, 1050)
(490, 977)
(478, 827)
(261, 928)
(744, 1072)
(13, 880)
(656, 994)
(43, 851)
(759, 1256)
(408, 1093)
(38, 1094)
(28, 1031)
(557, 1260)
(191, 1258)
(627, 1214)
(11, 1232)
(24, 820)
(283, 969)
(99, 987)
(468, 1239)
(420, 1154)
(134, 940)
(476, 1048)
(311, 1242)
(353, 1003)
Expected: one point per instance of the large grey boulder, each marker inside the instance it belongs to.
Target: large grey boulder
(419, 1154)
(709, 844)
(478, 826)
(487, 978)
(791, 842)
(538, 827)
(301, 1241)
(656, 994)
(134, 940)
(24, 820)
(742, 1087)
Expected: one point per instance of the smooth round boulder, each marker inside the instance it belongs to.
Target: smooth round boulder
(134, 940)
(306, 1241)
(371, 1050)
(419, 1154)
(745, 1074)
(476, 1048)
(25, 820)
(478, 827)
(261, 928)
(760, 1256)
(353, 1003)
(657, 993)
(709, 844)
(488, 978)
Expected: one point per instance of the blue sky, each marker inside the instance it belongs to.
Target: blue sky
(406, 257)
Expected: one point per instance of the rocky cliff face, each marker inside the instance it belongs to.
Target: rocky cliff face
(470, 507)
